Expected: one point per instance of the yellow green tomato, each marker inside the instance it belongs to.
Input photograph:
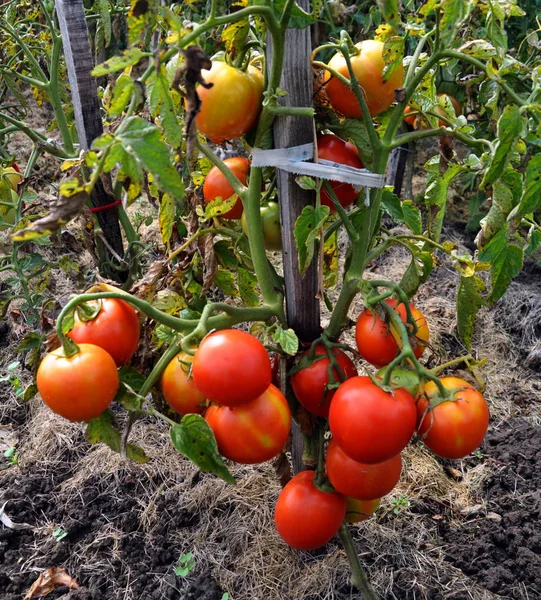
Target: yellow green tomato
(360, 510)
(8, 213)
(270, 217)
(403, 378)
(13, 176)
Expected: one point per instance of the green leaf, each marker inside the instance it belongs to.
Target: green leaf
(287, 340)
(510, 126)
(225, 280)
(102, 429)
(505, 261)
(358, 133)
(330, 261)
(194, 439)
(168, 301)
(247, 282)
(161, 104)
(468, 302)
(480, 49)
(235, 34)
(412, 217)
(219, 206)
(391, 203)
(496, 218)
(531, 193)
(533, 240)
(299, 19)
(105, 20)
(29, 392)
(455, 12)
(417, 272)
(393, 54)
(142, 139)
(167, 218)
(307, 229)
(129, 57)
(131, 381)
(390, 12)
(436, 197)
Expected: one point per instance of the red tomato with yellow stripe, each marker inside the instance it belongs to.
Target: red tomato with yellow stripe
(360, 510)
(178, 387)
(254, 432)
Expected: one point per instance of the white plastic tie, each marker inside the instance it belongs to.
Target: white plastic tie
(294, 160)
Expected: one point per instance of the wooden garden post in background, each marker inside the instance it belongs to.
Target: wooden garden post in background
(79, 62)
(302, 305)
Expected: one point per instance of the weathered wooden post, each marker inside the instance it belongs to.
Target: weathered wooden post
(79, 62)
(302, 305)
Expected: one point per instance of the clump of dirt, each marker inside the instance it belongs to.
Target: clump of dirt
(499, 544)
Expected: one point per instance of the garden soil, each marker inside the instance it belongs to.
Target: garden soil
(451, 530)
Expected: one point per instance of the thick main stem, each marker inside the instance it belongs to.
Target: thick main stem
(359, 578)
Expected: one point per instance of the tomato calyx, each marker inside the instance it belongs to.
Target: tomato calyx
(88, 311)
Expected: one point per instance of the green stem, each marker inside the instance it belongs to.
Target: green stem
(231, 315)
(413, 136)
(359, 578)
(54, 96)
(35, 136)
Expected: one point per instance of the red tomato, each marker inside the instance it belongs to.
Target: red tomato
(360, 510)
(179, 388)
(376, 341)
(216, 185)
(360, 481)
(332, 147)
(81, 387)
(368, 66)
(231, 367)
(231, 107)
(457, 427)
(115, 329)
(309, 384)
(369, 424)
(306, 517)
(254, 432)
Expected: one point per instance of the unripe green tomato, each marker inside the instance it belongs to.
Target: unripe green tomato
(404, 378)
(270, 217)
(8, 213)
(13, 177)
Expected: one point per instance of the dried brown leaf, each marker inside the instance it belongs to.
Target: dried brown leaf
(49, 580)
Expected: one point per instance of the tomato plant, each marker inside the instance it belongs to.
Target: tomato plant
(231, 367)
(369, 424)
(358, 480)
(216, 185)
(335, 149)
(230, 108)
(452, 428)
(115, 328)
(368, 67)
(375, 338)
(360, 510)
(178, 386)
(270, 219)
(254, 432)
(307, 517)
(78, 387)
(310, 383)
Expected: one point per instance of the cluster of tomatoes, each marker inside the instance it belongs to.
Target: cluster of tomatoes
(249, 416)
(370, 426)
(80, 387)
